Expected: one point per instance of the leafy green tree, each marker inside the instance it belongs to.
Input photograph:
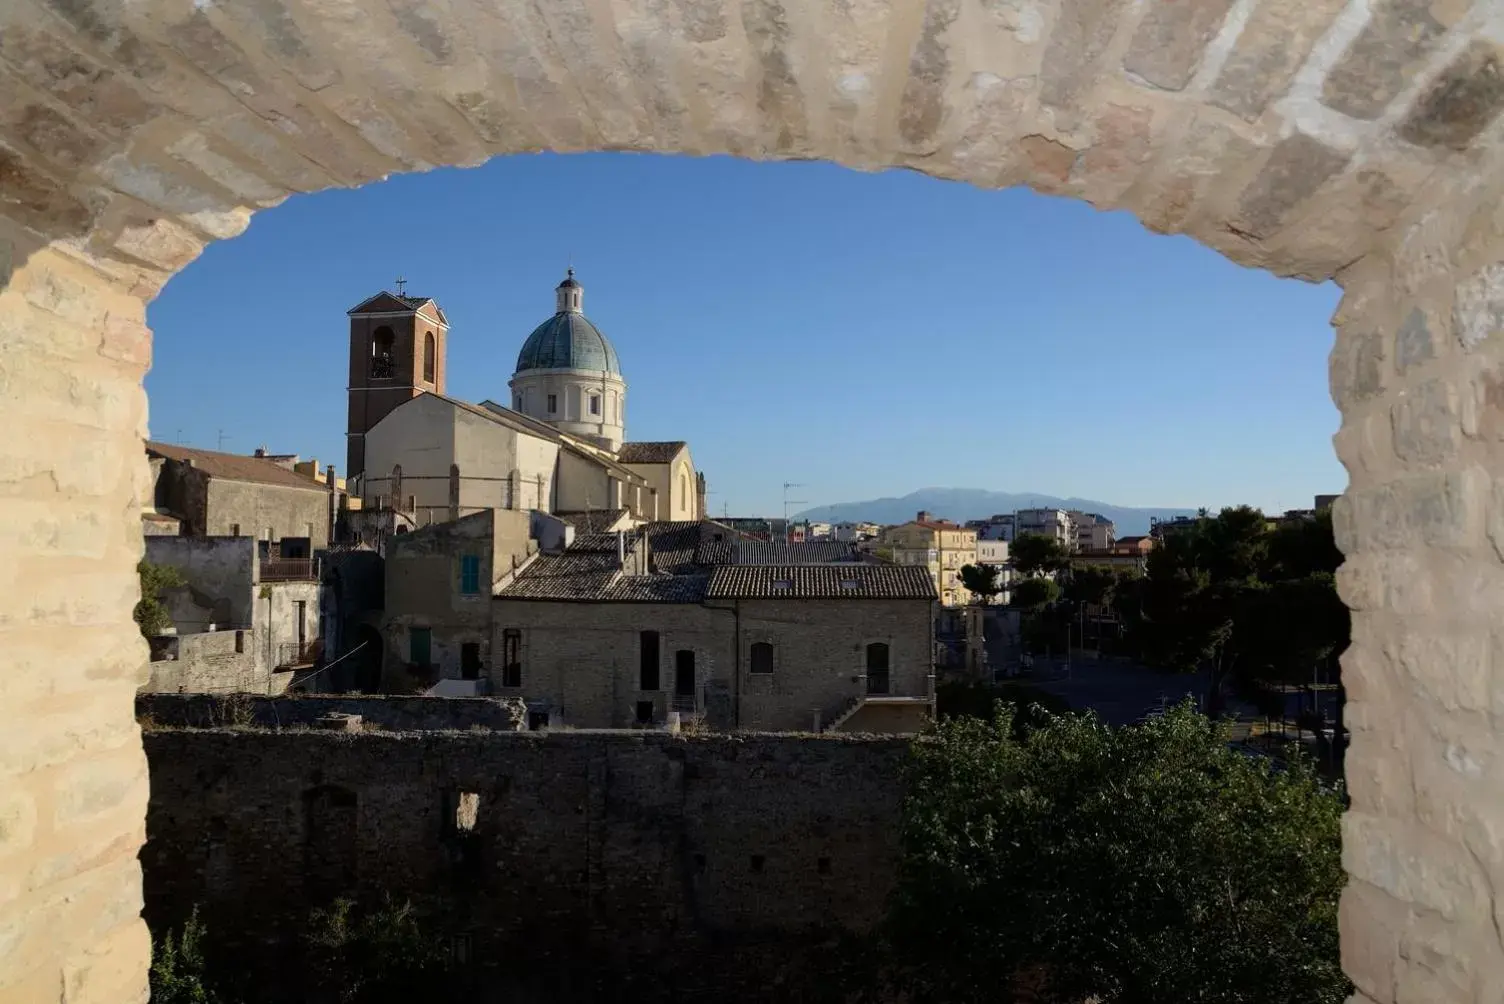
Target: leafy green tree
(179, 973)
(151, 615)
(983, 581)
(1032, 553)
(1032, 594)
(380, 955)
(1137, 865)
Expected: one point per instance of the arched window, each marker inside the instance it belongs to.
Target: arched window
(762, 657)
(383, 345)
(430, 346)
(877, 668)
(684, 488)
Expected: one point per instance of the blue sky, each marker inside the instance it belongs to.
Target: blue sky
(862, 334)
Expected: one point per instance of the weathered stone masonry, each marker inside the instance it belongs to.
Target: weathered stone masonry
(1350, 139)
(588, 850)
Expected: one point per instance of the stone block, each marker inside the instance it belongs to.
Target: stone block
(1297, 168)
(1278, 37)
(245, 185)
(1371, 923)
(103, 781)
(1049, 161)
(1082, 32)
(1427, 423)
(1414, 343)
(35, 199)
(1437, 510)
(923, 106)
(1171, 39)
(1478, 306)
(1415, 866)
(1463, 101)
(1356, 368)
(1120, 150)
(18, 819)
(1449, 668)
(1388, 52)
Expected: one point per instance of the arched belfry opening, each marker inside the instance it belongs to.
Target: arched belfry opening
(1358, 140)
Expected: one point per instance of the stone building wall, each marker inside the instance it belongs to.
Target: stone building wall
(219, 572)
(399, 714)
(623, 852)
(582, 661)
(1355, 140)
(258, 509)
(819, 656)
(209, 662)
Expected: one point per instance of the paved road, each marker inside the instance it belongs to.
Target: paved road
(1123, 692)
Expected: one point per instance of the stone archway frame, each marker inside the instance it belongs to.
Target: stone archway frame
(1355, 139)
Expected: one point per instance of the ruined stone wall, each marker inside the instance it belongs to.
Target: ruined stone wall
(396, 714)
(210, 662)
(615, 850)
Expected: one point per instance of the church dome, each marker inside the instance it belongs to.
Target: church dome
(568, 340)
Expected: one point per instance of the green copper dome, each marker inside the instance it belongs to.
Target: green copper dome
(568, 340)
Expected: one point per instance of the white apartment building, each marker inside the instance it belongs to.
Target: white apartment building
(999, 527)
(1056, 523)
(1093, 531)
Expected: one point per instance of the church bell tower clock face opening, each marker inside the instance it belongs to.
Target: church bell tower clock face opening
(568, 373)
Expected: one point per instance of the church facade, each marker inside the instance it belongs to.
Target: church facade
(559, 446)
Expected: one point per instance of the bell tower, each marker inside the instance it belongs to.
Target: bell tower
(397, 349)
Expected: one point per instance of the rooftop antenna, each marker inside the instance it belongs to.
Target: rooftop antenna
(401, 286)
(786, 501)
(221, 440)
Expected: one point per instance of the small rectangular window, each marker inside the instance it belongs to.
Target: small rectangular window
(762, 657)
(648, 656)
(644, 712)
(239, 641)
(470, 661)
(470, 574)
(595, 404)
(234, 529)
(511, 658)
(553, 403)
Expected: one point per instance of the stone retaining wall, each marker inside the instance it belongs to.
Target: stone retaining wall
(400, 714)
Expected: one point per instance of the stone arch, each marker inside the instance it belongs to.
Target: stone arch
(1355, 140)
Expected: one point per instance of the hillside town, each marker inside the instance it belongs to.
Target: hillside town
(532, 551)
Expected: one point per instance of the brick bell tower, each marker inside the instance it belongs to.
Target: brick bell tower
(397, 349)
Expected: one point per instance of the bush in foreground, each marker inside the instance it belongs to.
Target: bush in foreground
(1143, 864)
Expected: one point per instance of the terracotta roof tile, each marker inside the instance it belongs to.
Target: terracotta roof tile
(234, 467)
(811, 582)
(815, 552)
(649, 453)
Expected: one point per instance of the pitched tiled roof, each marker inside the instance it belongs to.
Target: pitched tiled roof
(649, 453)
(818, 552)
(234, 467)
(674, 546)
(592, 520)
(657, 589)
(818, 582)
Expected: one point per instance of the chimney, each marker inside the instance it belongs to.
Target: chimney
(621, 549)
(333, 505)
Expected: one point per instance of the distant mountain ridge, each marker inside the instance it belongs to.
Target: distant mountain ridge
(962, 504)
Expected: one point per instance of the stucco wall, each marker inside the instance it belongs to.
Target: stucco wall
(423, 585)
(217, 568)
(630, 851)
(258, 508)
(277, 616)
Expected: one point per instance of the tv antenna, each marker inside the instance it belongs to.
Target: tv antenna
(401, 286)
(221, 442)
(787, 502)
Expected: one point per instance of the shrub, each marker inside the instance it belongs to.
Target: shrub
(1138, 865)
(178, 970)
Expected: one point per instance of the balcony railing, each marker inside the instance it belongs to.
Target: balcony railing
(292, 653)
(685, 704)
(290, 570)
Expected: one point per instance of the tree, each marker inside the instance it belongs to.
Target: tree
(982, 581)
(178, 970)
(150, 613)
(1137, 865)
(1032, 594)
(1034, 552)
